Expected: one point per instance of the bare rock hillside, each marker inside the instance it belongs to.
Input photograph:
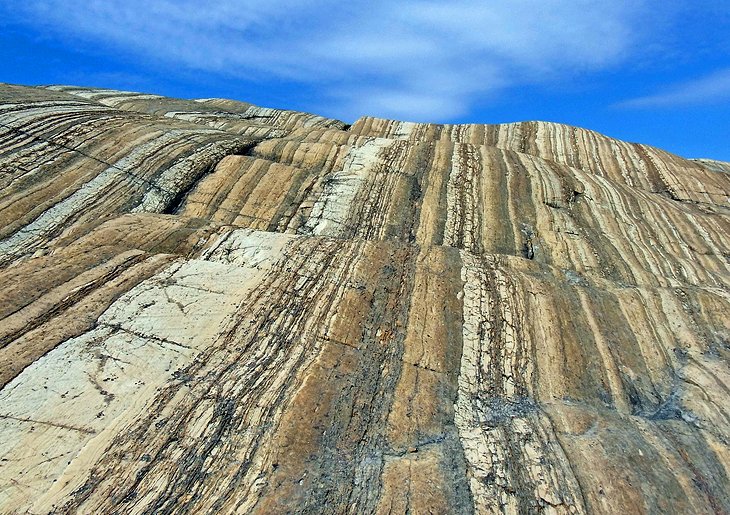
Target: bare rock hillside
(212, 307)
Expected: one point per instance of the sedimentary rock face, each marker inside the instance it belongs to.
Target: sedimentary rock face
(211, 307)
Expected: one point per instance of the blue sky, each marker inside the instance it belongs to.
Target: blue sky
(655, 72)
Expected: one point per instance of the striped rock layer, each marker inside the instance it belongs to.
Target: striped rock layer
(212, 307)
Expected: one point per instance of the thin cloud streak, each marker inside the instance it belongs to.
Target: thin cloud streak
(707, 90)
(411, 59)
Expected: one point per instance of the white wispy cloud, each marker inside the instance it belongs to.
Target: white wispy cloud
(707, 90)
(409, 59)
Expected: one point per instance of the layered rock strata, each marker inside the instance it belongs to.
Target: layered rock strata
(212, 307)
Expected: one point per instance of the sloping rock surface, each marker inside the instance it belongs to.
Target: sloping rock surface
(212, 307)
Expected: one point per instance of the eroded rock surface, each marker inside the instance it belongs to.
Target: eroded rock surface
(212, 307)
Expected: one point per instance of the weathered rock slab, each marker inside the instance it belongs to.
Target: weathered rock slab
(212, 307)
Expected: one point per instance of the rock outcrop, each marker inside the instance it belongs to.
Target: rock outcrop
(212, 307)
